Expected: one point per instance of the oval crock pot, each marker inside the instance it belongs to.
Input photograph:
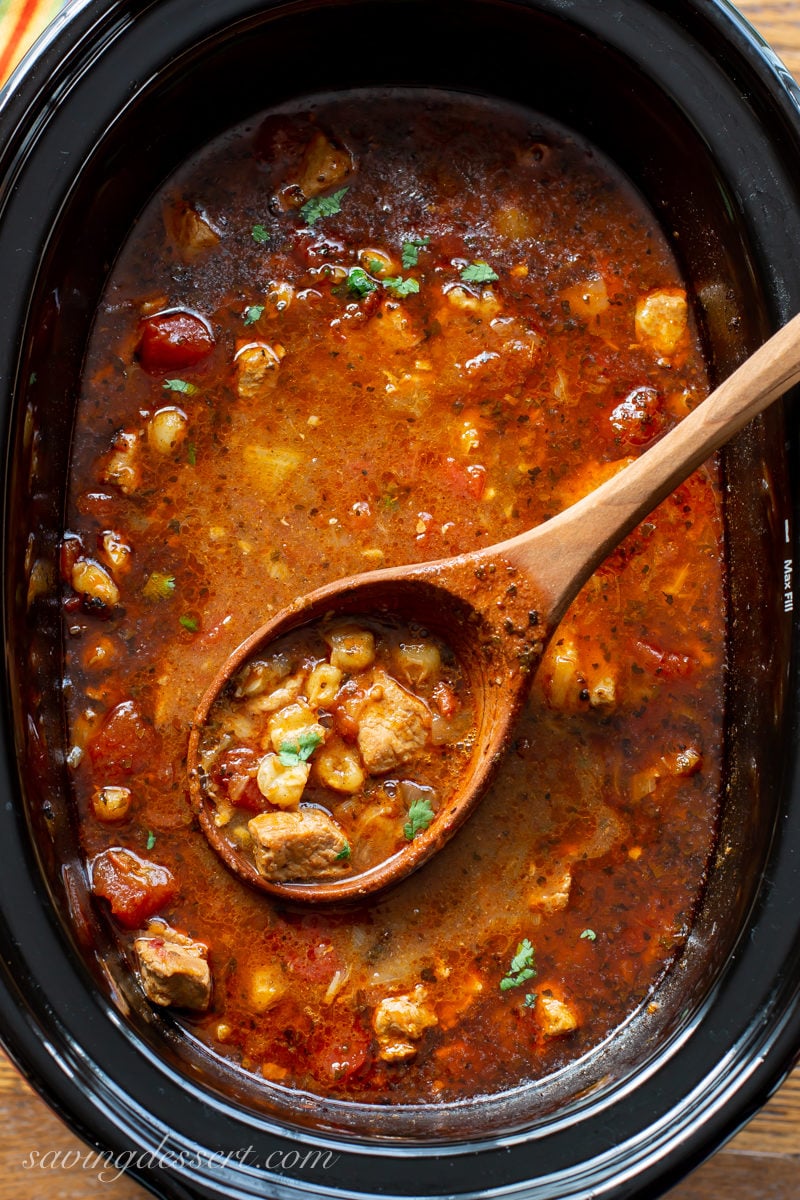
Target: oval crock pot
(683, 96)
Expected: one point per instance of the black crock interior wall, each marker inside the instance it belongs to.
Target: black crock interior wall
(549, 65)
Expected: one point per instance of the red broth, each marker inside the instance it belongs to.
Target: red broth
(375, 329)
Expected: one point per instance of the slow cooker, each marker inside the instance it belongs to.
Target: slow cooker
(706, 123)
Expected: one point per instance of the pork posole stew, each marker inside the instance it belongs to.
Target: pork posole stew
(373, 329)
(332, 750)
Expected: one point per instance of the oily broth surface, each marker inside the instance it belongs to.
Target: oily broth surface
(364, 454)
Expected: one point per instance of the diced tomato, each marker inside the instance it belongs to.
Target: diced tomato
(173, 341)
(467, 482)
(236, 775)
(316, 963)
(476, 481)
(71, 550)
(344, 709)
(664, 662)
(134, 887)
(340, 1049)
(445, 699)
(345, 724)
(125, 742)
(640, 418)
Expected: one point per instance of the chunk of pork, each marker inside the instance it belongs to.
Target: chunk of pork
(299, 844)
(399, 1023)
(393, 726)
(173, 968)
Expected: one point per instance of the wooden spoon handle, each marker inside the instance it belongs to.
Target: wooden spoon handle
(560, 555)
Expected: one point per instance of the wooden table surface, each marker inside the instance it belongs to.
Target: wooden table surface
(760, 1163)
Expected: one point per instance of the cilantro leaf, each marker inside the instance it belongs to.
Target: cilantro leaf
(322, 206)
(151, 839)
(478, 272)
(191, 454)
(523, 957)
(259, 234)
(190, 624)
(522, 967)
(299, 749)
(344, 853)
(179, 385)
(420, 815)
(359, 282)
(252, 313)
(400, 286)
(411, 249)
(158, 586)
(530, 999)
(589, 935)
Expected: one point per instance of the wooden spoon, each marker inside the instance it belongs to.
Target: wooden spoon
(498, 607)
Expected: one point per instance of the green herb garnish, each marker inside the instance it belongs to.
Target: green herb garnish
(411, 249)
(190, 624)
(159, 586)
(359, 282)
(420, 815)
(478, 272)
(299, 749)
(344, 853)
(151, 839)
(259, 234)
(522, 967)
(589, 935)
(400, 286)
(191, 454)
(322, 206)
(179, 385)
(252, 313)
(530, 999)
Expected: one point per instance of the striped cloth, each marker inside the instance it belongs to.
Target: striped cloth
(21, 22)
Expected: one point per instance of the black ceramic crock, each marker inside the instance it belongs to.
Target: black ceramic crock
(684, 97)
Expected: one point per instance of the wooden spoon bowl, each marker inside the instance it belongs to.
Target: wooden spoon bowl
(485, 614)
(497, 608)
